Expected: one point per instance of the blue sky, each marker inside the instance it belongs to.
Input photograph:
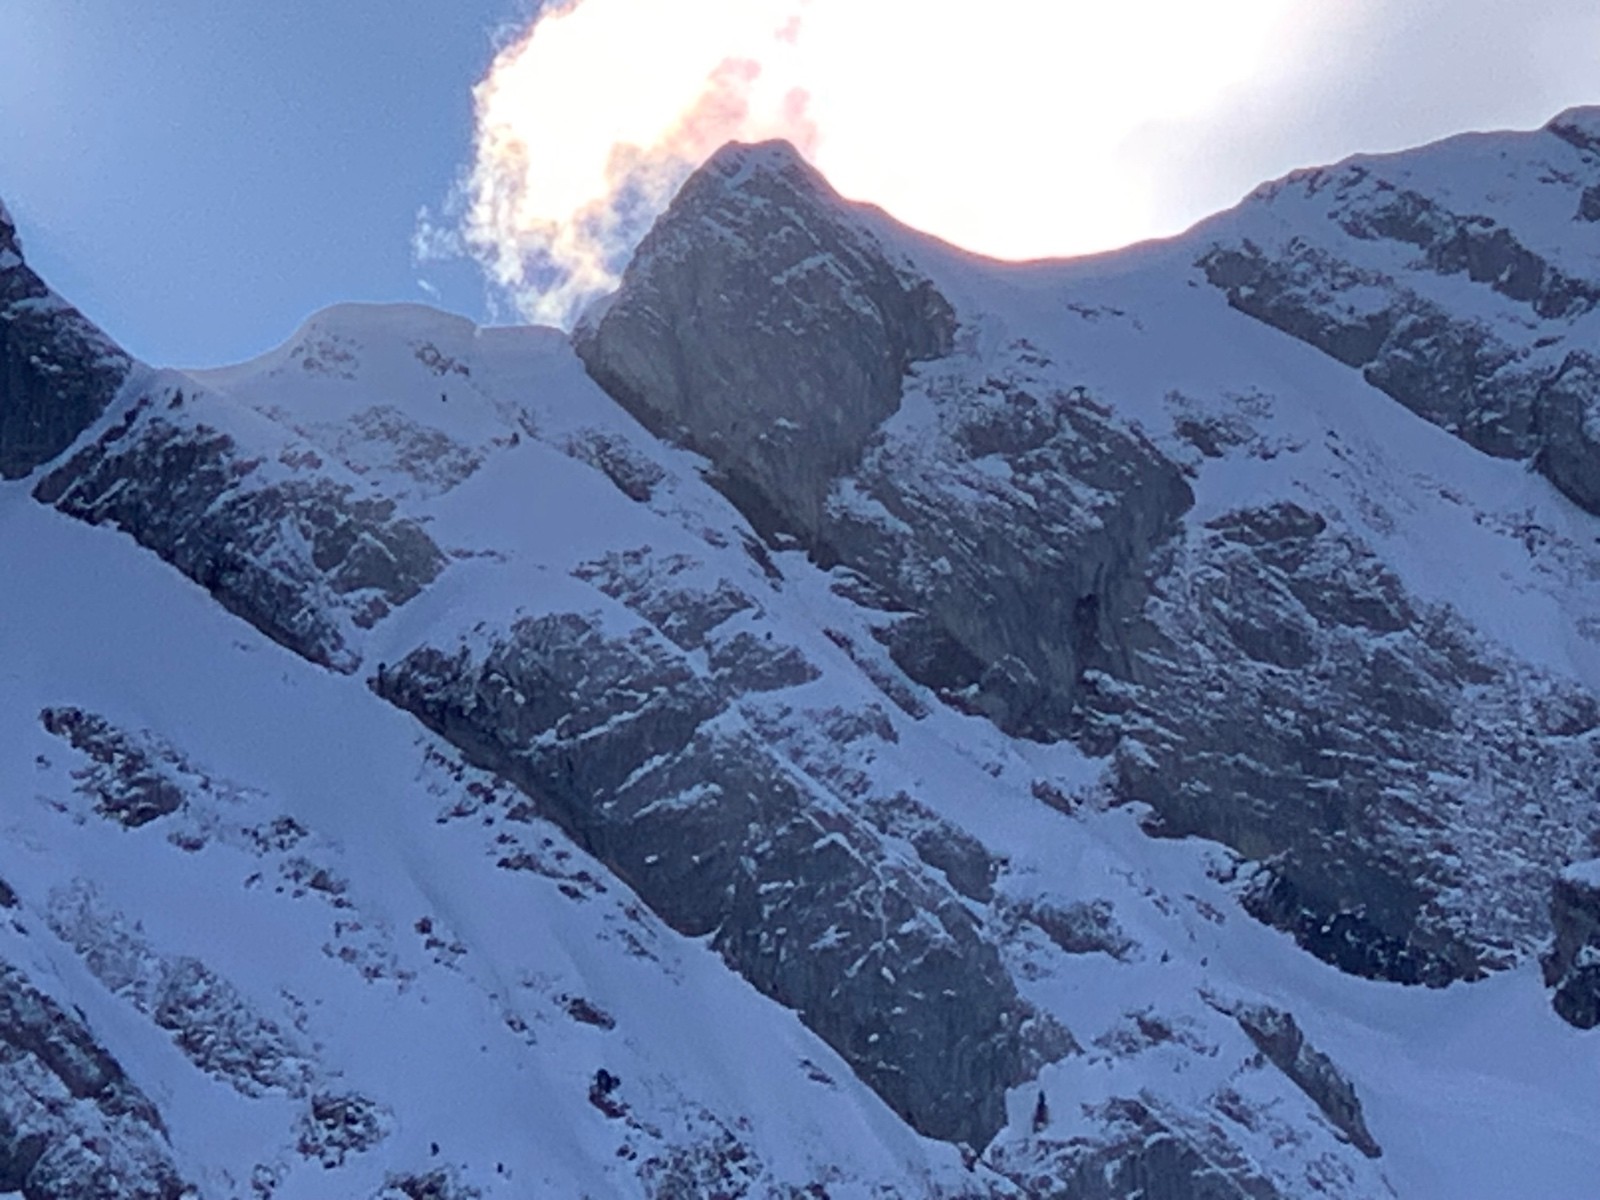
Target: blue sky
(200, 175)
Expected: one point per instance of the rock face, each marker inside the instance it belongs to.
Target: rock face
(762, 325)
(1347, 782)
(1568, 412)
(1572, 965)
(1455, 370)
(1463, 286)
(1011, 529)
(1502, 362)
(630, 751)
(298, 555)
(1279, 1037)
(1011, 523)
(72, 1125)
(57, 371)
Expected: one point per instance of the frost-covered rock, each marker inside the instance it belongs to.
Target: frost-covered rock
(1572, 965)
(1137, 1150)
(339, 1125)
(130, 783)
(1367, 753)
(626, 748)
(1279, 1037)
(301, 556)
(1352, 259)
(72, 1124)
(209, 1019)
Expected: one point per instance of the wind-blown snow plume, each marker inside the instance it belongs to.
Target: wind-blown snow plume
(984, 132)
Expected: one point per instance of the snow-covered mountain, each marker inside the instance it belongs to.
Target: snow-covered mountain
(853, 720)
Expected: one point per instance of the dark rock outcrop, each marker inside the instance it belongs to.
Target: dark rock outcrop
(1082, 927)
(128, 783)
(1568, 415)
(1478, 247)
(1018, 534)
(298, 557)
(763, 325)
(1572, 965)
(72, 1125)
(1580, 128)
(621, 744)
(1589, 204)
(1330, 747)
(1453, 371)
(339, 1124)
(442, 1184)
(57, 371)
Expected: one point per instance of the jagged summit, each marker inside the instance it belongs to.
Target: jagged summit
(734, 163)
(762, 322)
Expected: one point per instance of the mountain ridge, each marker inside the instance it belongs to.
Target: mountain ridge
(827, 668)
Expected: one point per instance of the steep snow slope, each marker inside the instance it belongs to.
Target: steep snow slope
(726, 864)
(365, 921)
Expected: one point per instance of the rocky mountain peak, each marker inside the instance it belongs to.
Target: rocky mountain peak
(736, 164)
(776, 328)
(763, 323)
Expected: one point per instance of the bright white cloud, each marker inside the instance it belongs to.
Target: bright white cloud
(588, 123)
(1017, 128)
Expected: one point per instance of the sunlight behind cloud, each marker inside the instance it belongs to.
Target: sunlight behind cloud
(1007, 134)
